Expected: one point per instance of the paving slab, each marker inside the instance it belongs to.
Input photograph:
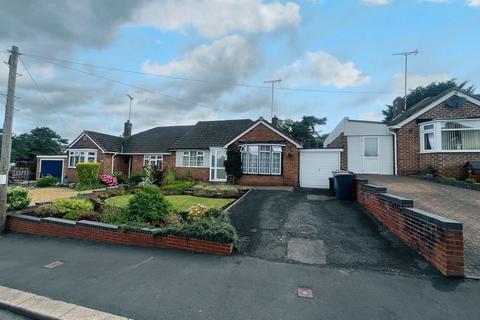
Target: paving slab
(306, 251)
(45, 306)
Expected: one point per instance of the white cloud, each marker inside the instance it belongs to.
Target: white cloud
(473, 3)
(324, 69)
(377, 2)
(371, 116)
(416, 80)
(216, 18)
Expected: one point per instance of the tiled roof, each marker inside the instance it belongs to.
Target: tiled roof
(206, 134)
(156, 140)
(108, 142)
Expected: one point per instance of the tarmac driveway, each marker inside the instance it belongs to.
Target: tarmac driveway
(462, 205)
(311, 228)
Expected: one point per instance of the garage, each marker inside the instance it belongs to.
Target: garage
(316, 166)
(51, 166)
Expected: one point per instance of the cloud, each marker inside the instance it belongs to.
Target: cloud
(473, 3)
(324, 69)
(416, 80)
(217, 18)
(376, 2)
(371, 116)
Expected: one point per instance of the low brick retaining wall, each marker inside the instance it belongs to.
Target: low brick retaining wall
(90, 230)
(437, 239)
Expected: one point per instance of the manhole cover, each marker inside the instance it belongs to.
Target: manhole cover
(306, 293)
(53, 264)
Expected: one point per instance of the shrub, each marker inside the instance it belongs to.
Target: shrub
(205, 190)
(88, 173)
(153, 174)
(169, 177)
(109, 180)
(47, 181)
(470, 181)
(17, 198)
(47, 210)
(173, 219)
(449, 179)
(148, 205)
(179, 185)
(136, 178)
(72, 208)
(91, 216)
(233, 164)
(113, 215)
(121, 177)
(430, 169)
(203, 229)
(196, 212)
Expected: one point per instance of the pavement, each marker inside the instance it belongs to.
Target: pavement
(308, 226)
(460, 204)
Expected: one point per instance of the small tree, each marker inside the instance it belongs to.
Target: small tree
(233, 164)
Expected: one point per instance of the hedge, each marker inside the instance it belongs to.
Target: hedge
(88, 173)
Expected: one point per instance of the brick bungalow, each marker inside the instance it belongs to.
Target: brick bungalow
(269, 156)
(441, 131)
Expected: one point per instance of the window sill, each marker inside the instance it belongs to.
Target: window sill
(262, 174)
(451, 151)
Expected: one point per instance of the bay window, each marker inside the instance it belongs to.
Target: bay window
(153, 160)
(462, 135)
(261, 159)
(193, 158)
(76, 156)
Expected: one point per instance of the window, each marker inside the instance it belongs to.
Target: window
(193, 159)
(76, 156)
(261, 159)
(453, 136)
(371, 147)
(154, 160)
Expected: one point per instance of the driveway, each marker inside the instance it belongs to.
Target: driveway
(311, 228)
(147, 283)
(462, 205)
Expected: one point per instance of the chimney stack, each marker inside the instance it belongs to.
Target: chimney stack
(127, 129)
(275, 121)
(398, 106)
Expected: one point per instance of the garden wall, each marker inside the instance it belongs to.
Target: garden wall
(437, 239)
(90, 230)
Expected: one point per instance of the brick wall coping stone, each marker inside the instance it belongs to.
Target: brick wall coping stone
(434, 219)
(98, 225)
(63, 222)
(374, 188)
(24, 217)
(401, 201)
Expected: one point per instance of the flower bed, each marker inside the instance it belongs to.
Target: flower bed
(148, 219)
(454, 182)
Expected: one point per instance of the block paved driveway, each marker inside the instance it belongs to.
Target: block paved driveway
(462, 205)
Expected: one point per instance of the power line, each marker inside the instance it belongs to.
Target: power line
(224, 83)
(43, 96)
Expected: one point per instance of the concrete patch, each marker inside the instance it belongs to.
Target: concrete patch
(306, 251)
(305, 293)
(318, 197)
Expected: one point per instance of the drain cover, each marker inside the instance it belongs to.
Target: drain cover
(305, 293)
(53, 264)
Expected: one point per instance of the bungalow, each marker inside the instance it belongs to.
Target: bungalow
(270, 157)
(441, 131)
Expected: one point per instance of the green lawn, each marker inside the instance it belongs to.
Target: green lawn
(179, 202)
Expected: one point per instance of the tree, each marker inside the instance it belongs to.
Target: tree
(233, 164)
(305, 129)
(435, 88)
(41, 140)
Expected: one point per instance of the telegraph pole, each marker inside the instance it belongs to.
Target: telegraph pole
(7, 134)
(406, 54)
(273, 87)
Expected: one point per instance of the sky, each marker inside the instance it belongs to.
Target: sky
(185, 61)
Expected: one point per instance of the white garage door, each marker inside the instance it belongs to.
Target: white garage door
(316, 167)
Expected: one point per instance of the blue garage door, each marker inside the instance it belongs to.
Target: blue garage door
(51, 167)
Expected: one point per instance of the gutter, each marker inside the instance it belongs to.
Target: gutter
(113, 161)
(394, 148)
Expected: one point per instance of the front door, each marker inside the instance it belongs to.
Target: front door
(370, 155)
(217, 164)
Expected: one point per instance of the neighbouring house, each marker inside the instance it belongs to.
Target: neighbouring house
(269, 156)
(441, 131)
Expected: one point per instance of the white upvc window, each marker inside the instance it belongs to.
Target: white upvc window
(153, 160)
(261, 159)
(76, 156)
(193, 159)
(456, 135)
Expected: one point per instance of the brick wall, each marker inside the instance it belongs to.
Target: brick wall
(437, 239)
(290, 160)
(341, 142)
(109, 233)
(410, 160)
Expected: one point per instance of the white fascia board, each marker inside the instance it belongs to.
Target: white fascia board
(321, 150)
(86, 135)
(51, 157)
(268, 126)
(433, 105)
